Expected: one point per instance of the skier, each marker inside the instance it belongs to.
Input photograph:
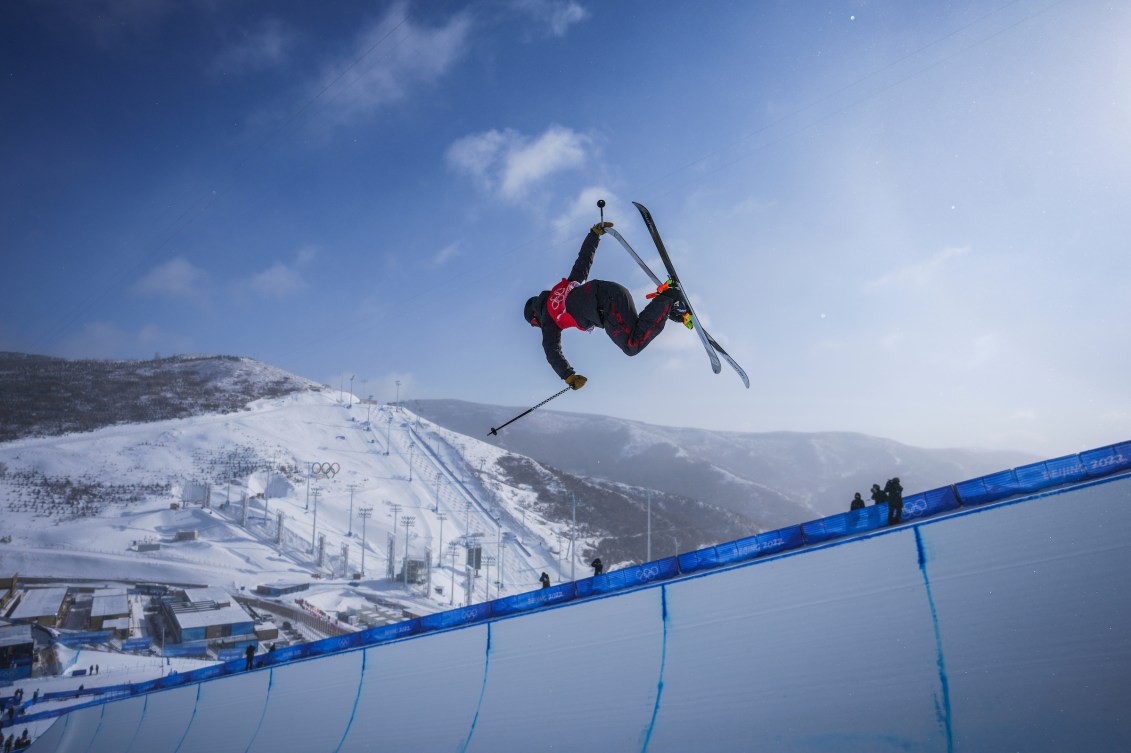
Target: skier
(573, 302)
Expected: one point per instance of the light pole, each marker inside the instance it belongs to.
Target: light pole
(487, 578)
(368, 408)
(314, 529)
(409, 521)
(398, 393)
(364, 514)
(452, 547)
(439, 478)
(411, 448)
(353, 488)
(388, 430)
(351, 389)
(440, 546)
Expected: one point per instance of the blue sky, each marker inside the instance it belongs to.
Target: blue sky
(904, 219)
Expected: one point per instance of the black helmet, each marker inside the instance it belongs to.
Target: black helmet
(530, 312)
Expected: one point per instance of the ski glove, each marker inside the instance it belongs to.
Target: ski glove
(576, 381)
(599, 228)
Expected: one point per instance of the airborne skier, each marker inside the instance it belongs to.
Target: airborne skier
(576, 302)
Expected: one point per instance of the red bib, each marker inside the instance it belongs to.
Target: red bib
(556, 304)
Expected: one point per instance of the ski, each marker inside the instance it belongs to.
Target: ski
(714, 350)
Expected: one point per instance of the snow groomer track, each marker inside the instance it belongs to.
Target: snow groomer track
(996, 617)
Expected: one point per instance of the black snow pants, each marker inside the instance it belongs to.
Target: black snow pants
(630, 331)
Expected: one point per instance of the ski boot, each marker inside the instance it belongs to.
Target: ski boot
(679, 311)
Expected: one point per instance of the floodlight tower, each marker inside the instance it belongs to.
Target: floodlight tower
(364, 513)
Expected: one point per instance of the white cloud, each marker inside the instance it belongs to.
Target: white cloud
(921, 274)
(510, 164)
(254, 50)
(584, 210)
(390, 59)
(177, 277)
(556, 15)
(281, 280)
(446, 254)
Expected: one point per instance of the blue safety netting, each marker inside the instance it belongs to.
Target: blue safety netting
(750, 547)
(628, 577)
(854, 521)
(534, 599)
(926, 504)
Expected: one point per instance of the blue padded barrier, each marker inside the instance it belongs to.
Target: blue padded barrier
(854, 521)
(1037, 476)
(333, 644)
(456, 617)
(204, 673)
(386, 633)
(1104, 461)
(929, 503)
(534, 599)
(287, 653)
(628, 577)
(750, 547)
(989, 488)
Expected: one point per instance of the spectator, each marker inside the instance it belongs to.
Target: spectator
(250, 654)
(893, 490)
(598, 566)
(857, 502)
(878, 495)
(545, 579)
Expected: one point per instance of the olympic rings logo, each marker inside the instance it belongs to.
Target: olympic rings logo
(916, 507)
(648, 573)
(324, 470)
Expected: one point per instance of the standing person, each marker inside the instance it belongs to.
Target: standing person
(857, 502)
(598, 566)
(545, 580)
(575, 303)
(878, 495)
(894, 492)
(249, 652)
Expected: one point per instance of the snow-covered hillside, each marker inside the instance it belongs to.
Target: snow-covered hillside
(277, 493)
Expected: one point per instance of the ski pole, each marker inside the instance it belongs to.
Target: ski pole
(495, 431)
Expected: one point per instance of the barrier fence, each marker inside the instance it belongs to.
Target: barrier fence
(1028, 479)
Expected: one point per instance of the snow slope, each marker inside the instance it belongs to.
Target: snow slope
(1000, 627)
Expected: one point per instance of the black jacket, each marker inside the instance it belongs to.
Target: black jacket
(581, 304)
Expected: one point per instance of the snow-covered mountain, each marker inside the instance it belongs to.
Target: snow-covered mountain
(776, 479)
(42, 396)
